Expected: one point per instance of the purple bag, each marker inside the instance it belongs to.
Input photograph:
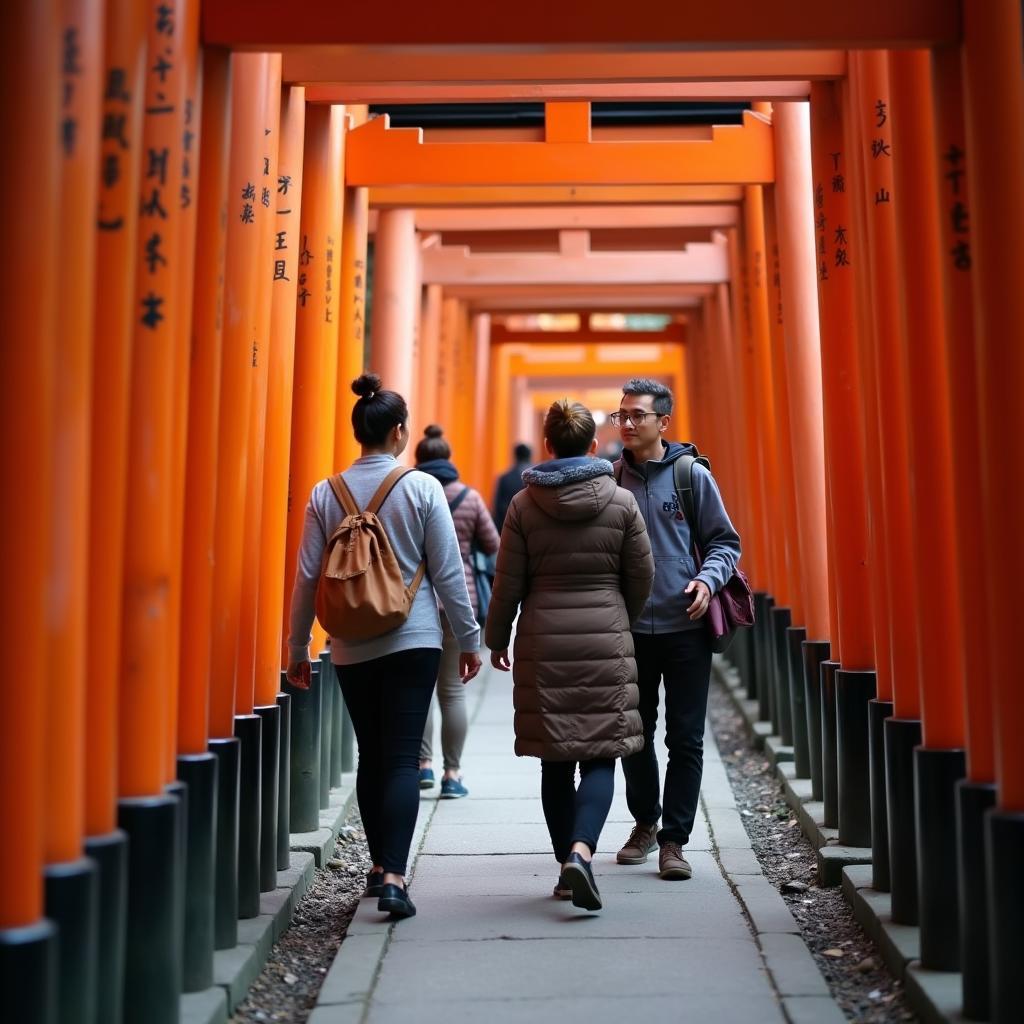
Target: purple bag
(733, 605)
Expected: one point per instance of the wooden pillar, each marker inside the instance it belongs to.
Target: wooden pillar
(994, 113)
(727, 366)
(252, 521)
(841, 251)
(803, 353)
(787, 525)
(352, 326)
(430, 342)
(245, 219)
(476, 466)
(764, 402)
(395, 299)
(113, 324)
(280, 370)
(306, 459)
(31, 180)
(872, 106)
(211, 199)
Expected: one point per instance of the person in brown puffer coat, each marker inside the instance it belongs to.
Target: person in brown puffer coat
(575, 554)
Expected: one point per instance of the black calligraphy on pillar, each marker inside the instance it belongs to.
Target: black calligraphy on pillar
(959, 220)
(248, 216)
(358, 324)
(188, 138)
(71, 69)
(820, 224)
(162, 64)
(113, 143)
(329, 288)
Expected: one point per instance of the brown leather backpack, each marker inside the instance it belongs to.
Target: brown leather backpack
(361, 593)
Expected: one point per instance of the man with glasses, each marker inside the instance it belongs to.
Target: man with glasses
(670, 639)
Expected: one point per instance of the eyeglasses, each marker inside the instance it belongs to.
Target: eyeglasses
(634, 419)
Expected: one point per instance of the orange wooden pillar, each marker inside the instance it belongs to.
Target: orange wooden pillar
(395, 299)
(975, 794)
(72, 881)
(841, 251)
(236, 740)
(29, 947)
(726, 368)
(287, 202)
(447, 368)
(873, 108)
(352, 325)
(310, 312)
(476, 465)
(113, 323)
(151, 818)
(939, 763)
(994, 114)
(196, 767)
(430, 342)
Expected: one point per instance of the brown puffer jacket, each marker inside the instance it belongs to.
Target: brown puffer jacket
(574, 551)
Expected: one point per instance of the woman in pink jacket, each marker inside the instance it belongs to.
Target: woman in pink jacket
(475, 529)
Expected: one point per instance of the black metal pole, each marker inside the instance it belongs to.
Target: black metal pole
(902, 735)
(853, 773)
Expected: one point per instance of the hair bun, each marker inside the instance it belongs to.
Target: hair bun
(433, 431)
(367, 385)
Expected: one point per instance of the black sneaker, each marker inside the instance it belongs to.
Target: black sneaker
(561, 891)
(374, 883)
(394, 900)
(578, 877)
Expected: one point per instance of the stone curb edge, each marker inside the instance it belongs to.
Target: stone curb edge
(235, 969)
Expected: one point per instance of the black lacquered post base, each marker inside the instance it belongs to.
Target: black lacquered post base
(936, 774)
(761, 660)
(348, 733)
(328, 688)
(152, 947)
(853, 692)
(902, 735)
(284, 795)
(1004, 849)
(199, 774)
(304, 772)
(795, 637)
(110, 853)
(225, 908)
(270, 715)
(177, 788)
(248, 729)
(782, 720)
(337, 729)
(829, 752)
(72, 903)
(741, 652)
(28, 973)
(814, 653)
(973, 800)
(878, 712)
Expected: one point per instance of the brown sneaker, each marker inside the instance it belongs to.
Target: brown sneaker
(642, 841)
(671, 862)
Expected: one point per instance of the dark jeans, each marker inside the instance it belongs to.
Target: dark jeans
(387, 699)
(684, 661)
(576, 815)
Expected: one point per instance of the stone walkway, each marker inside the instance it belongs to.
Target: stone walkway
(490, 942)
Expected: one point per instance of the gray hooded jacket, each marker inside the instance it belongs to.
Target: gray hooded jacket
(652, 484)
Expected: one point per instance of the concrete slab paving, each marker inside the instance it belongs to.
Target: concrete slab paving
(490, 942)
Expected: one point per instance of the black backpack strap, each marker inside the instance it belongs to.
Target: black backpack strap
(682, 477)
(458, 500)
(617, 469)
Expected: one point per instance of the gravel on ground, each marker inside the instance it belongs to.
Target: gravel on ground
(287, 988)
(853, 968)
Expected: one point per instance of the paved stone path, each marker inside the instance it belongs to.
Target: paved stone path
(490, 943)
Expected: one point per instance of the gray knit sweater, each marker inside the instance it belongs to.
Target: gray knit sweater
(419, 525)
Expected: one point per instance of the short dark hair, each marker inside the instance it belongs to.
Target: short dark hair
(522, 453)
(645, 386)
(433, 445)
(569, 428)
(377, 412)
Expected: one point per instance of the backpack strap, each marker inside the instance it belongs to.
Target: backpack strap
(682, 477)
(458, 500)
(343, 494)
(617, 469)
(386, 487)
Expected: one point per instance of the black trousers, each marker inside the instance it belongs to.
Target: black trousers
(683, 660)
(387, 699)
(576, 815)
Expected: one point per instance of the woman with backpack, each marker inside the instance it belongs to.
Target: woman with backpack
(367, 530)
(575, 556)
(475, 530)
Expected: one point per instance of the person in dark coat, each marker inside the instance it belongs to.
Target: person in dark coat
(575, 564)
(510, 483)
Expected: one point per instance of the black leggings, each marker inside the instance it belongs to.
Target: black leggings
(576, 815)
(387, 699)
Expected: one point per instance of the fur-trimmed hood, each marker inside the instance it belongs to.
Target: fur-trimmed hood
(571, 489)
